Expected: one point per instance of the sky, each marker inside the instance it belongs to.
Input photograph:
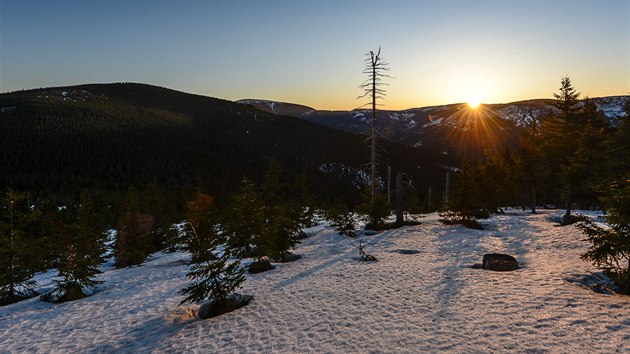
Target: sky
(312, 52)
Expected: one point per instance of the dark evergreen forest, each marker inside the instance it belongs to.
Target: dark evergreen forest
(105, 138)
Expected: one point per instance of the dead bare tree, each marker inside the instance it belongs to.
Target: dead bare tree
(375, 68)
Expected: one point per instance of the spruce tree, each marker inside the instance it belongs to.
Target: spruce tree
(154, 203)
(19, 248)
(133, 238)
(243, 223)
(562, 130)
(610, 247)
(281, 229)
(468, 199)
(303, 202)
(81, 249)
(212, 275)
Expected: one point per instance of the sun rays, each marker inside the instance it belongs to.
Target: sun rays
(479, 127)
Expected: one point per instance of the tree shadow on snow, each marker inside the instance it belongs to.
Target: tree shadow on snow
(595, 281)
(352, 251)
(464, 247)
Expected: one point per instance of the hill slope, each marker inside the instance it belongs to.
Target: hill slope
(113, 135)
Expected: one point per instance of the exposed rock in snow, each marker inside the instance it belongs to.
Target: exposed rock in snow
(499, 262)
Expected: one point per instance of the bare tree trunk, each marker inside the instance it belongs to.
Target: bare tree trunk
(569, 201)
(374, 68)
(399, 199)
(389, 183)
(430, 195)
(533, 199)
(446, 191)
(373, 155)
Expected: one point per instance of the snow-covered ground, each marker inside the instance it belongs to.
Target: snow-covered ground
(330, 302)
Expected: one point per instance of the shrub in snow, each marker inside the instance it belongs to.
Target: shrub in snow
(457, 218)
(341, 219)
(376, 211)
(19, 248)
(213, 276)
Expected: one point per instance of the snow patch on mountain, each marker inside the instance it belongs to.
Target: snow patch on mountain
(436, 121)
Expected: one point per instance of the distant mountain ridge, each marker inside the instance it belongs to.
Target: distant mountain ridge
(453, 127)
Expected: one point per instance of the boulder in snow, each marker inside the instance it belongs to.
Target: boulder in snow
(499, 262)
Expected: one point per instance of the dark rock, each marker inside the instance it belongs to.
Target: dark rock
(261, 265)
(499, 262)
(407, 251)
(215, 308)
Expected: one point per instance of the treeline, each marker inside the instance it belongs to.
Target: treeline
(572, 158)
(564, 160)
(262, 222)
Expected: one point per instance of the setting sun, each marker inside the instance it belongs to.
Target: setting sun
(474, 102)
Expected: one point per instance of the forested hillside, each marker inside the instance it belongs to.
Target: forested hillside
(108, 137)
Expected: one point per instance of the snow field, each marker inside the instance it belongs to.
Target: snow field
(330, 302)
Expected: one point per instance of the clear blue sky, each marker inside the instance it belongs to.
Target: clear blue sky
(311, 52)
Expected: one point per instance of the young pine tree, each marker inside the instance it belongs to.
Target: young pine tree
(81, 248)
(155, 203)
(468, 197)
(133, 239)
(212, 276)
(281, 229)
(375, 211)
(19, 248)
(303, 203)
(341, 218)
(610, 247)
(244, 222)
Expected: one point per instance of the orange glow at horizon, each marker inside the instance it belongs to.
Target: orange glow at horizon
(474, 102)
